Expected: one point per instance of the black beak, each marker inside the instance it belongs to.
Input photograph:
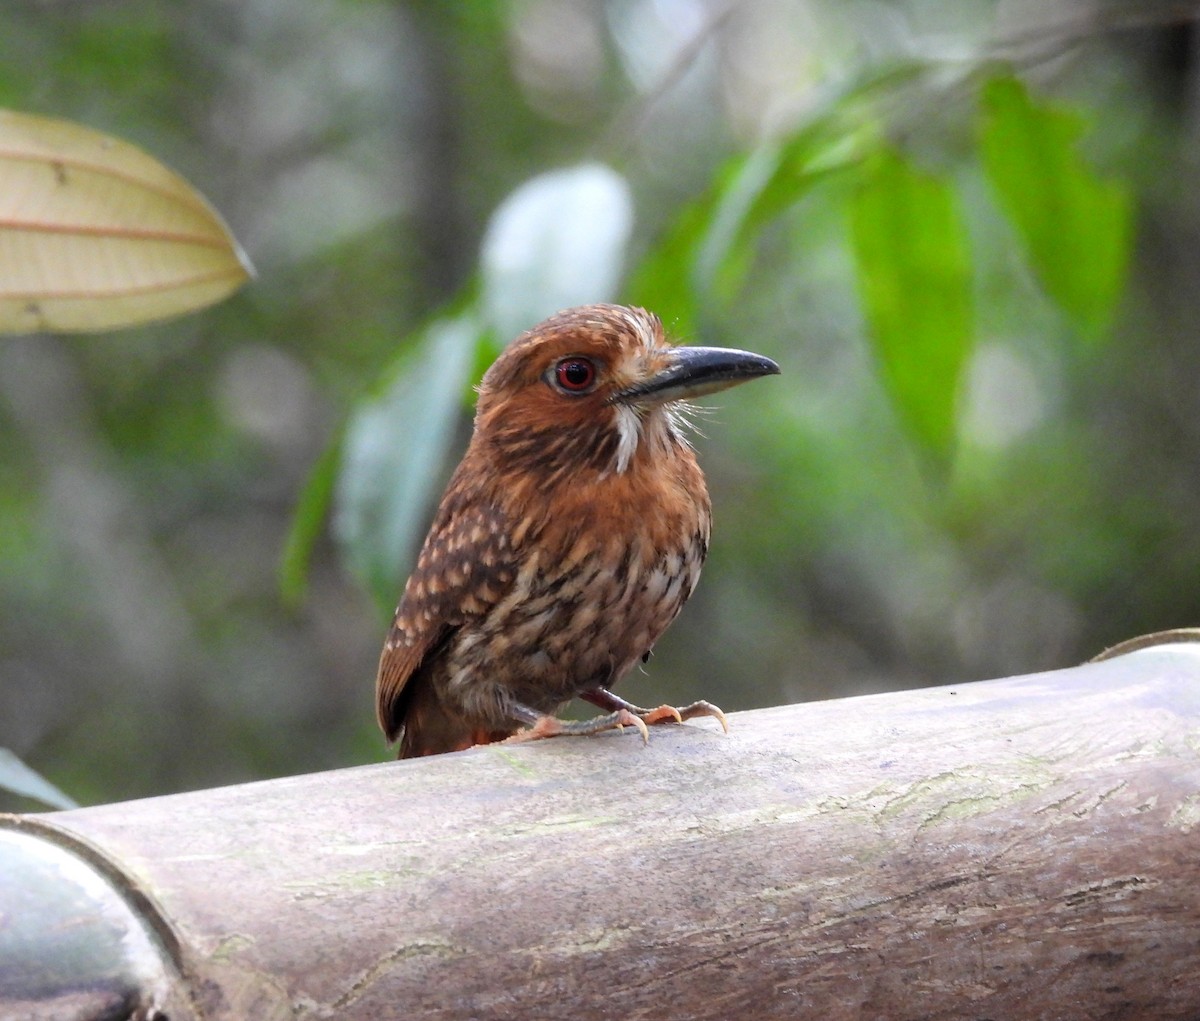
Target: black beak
(696, 371)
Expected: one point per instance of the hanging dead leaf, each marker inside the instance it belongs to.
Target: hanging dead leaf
(95, 234)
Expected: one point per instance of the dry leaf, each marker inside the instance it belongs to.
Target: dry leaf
(95, 234)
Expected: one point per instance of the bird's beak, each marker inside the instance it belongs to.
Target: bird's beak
(696, 371)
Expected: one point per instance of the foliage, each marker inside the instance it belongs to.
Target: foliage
(1076, 228)
(915, 275)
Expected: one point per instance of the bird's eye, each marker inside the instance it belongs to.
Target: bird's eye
(575, 375)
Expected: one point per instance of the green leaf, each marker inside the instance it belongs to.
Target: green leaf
(914, 274)
(394, 451)
(95, 234)
(557, 241)
(1076, 228)
(755, 189)
(18, 778)
(723, 256)
(306, 524)
(707, 252)
(662, 281)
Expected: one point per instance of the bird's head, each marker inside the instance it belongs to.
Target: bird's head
(593, 386)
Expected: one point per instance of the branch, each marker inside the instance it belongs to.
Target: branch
(1020, 848)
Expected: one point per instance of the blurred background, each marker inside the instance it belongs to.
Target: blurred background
(149, 478)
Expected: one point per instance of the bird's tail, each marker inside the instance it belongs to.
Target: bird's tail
(431, 727)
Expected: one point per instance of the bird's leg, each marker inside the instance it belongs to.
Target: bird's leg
(540, 726)
(605, 699)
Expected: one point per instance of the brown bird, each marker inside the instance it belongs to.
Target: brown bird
(568, 538)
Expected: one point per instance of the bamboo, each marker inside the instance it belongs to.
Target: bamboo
(1021, 848)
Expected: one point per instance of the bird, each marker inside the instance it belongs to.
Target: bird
(567, 540)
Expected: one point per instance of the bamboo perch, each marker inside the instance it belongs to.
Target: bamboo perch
(1012, 849)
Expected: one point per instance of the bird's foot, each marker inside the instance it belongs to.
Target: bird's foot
(663, 714)
(552, 726)
(669, 714)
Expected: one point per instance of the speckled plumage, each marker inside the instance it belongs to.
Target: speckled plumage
(568, 539)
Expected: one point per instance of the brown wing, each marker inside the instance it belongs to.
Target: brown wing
(465, 567)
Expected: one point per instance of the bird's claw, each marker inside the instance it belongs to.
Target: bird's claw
(702, 708)
(663, 714)
(626, 718)
(669, 714)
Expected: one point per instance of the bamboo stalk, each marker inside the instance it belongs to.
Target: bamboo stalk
(1019, 848)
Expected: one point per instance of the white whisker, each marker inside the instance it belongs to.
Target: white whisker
(683, 418)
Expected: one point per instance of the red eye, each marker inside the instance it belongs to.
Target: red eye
(575, 375)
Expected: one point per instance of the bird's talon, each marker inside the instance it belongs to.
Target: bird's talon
(637, 721)
(663, 714)
(702, 708)
(621, 719)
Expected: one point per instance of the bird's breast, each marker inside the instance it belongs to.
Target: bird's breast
(596, 586)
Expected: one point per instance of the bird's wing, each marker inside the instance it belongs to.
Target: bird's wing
(465, 567)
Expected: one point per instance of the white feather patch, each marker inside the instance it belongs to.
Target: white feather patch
(629, 431)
